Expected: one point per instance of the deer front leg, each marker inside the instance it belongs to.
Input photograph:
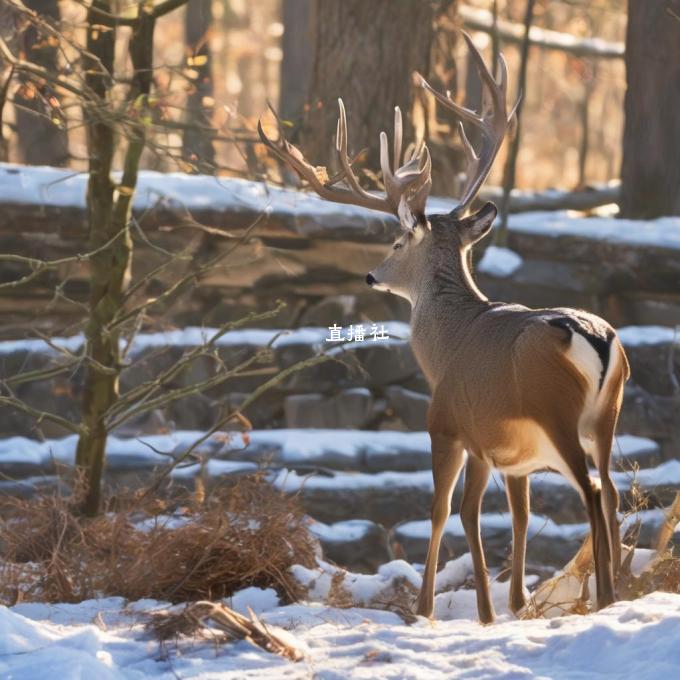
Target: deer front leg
(476, 477)
(517, 489)
(447, 461)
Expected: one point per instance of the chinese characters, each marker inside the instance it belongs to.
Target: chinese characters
(357, 333)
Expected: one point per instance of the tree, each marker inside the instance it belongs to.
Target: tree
(119, 305)
(296, 65)
(366, 53)
(650, 172)
(41, 133)
(197, 146)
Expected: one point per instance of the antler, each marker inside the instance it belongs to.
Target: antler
(493, 122)
(407, 186)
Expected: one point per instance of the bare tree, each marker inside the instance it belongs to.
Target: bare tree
(121, 112)
(650, 172)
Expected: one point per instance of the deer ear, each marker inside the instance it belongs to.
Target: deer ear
(476, 226)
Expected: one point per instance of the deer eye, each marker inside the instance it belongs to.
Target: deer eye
(396, 246)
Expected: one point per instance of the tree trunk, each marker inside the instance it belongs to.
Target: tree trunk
(650, 172)
(197, 146)
(296, 65)
(366, 53)
(110, 233)
(101, 387)
(41, 135)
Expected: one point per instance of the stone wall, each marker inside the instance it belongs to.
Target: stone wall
(374, 385)
(313, 254)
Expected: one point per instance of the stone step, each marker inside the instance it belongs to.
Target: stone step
(390, 498)
(356, 544)
(548, 543)
(296, 449)
(370, 451)
(306, 462)
(373, 384)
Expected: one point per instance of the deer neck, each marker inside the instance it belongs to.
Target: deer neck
(445, 306)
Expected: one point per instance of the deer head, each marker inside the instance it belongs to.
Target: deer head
(408, 182)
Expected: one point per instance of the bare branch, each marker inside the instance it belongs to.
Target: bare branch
(39, 416)
(40, 266)
(256, 394)
(145, 390)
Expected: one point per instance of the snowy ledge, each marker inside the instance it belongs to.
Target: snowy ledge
(57, 196)
(345, 450)
(397, 332)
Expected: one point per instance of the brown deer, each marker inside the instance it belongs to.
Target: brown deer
(519, 389)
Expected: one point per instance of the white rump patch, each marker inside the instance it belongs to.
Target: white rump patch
(584, 356)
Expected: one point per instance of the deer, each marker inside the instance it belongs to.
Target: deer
(513, 389)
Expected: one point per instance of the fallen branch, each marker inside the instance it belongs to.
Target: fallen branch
(234, 626)
(668, 527)
(511, 32)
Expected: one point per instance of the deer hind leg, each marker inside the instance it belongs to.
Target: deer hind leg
(604, 429)
(576, 470)
(447, 461)
(517, 489)
(604, 437)
(476, 478)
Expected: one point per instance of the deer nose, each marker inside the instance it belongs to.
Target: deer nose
(370, 279)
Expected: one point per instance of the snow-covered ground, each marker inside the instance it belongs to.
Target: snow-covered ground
(105, 639)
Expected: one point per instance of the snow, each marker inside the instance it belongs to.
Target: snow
(120, 452)
(214, 468)
(340, 532)
(663, 232)
(338, 448)
(666, 474)
(492, 521)
(194, 336)
(54, 187)
(105, 639)
(499, 262)
(632, 336)
(341, 449)
(258, 599)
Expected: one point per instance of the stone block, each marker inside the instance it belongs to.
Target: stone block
(408, 405)
(353, 408)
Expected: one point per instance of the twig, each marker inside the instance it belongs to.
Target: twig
(272, 382)
(39, 416)
(39, 266)
(146, 389)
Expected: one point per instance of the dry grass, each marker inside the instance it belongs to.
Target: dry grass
(247, 535)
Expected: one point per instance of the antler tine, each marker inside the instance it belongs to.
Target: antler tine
(465, 113)
(418, 199)
(398, 135)
(407, 186)
(368, 200)
(293, 157)
(493, 122)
